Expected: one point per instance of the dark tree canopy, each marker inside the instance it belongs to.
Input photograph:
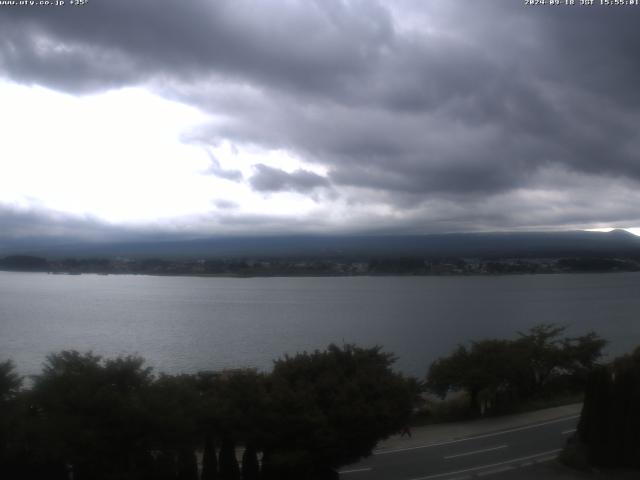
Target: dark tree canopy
(500, 373)
(108, 419)
(610, 421)
(91, 413)
(10, 381)
(330, 408)
(10, 384)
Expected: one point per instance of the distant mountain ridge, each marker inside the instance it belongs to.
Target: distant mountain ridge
(487, 245)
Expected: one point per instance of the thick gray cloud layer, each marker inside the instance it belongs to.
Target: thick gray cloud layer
(442, 110)
(20, 225)
(269, 179)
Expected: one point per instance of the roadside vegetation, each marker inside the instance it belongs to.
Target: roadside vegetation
(540, 368)
(114, 419)
(608, 434)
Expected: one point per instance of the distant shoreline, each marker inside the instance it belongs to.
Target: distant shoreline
(316, 275)
(321, 266)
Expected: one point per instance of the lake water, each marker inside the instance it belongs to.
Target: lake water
(185, 324)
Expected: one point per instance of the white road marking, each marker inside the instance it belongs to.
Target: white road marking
(475, 451)
(492, 465)
(357, 470)
(567, 432)
(486, 435)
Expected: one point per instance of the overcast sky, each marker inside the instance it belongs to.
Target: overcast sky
(317, 116)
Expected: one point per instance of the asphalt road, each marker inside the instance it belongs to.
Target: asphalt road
(471, 457)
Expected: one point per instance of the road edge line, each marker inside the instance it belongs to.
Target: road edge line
(506, 462)
(485, 435)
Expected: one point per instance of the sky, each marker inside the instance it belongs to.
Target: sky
(121, 118)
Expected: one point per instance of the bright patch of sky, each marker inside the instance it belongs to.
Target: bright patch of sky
(635, 231)
(120, 156)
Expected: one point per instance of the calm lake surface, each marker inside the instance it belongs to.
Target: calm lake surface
(185, 324)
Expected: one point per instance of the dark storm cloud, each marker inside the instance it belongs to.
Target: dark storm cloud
(479, 114)
(296, 44)
(420, 103)
(269, 179)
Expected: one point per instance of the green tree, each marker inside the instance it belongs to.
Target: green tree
(540, 349)
(187, 464)
(609, 425)
(582, 354)
(330, 408)
(250, 465)
(209, 459)
(10, 385)
(108, 419)
(229, 468)
(173, 405)
(497, 374)
(484, 371)
(91, 414)
(233, 403)
(233, 411)
(546, 360)
(10, 381)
